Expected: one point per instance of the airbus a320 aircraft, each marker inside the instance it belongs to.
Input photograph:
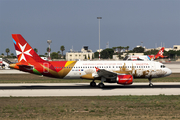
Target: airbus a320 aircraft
(120, 72)
(146, 57)
(159, 54)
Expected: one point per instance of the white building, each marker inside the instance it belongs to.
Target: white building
(84, 54)
(176, 47)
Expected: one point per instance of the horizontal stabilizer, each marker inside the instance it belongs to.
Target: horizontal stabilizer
(26, 66)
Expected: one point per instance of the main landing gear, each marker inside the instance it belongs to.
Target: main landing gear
(150, 83)
(100, 85)
(93, 84)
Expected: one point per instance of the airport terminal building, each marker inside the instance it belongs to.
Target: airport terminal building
(84, 54)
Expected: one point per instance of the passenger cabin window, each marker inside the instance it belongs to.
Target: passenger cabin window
(162, 66)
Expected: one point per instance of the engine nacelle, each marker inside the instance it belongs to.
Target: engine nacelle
(124, 79)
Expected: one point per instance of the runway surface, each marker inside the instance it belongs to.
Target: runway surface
(84, 89)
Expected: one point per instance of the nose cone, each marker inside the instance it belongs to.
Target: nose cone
(168, 72)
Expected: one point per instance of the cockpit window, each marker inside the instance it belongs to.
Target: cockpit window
(162, 66)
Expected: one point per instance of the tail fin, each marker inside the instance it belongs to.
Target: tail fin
(24, 51)
(160, 53)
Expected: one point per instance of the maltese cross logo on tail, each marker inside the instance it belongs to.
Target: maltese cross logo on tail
(161, 52)
(22, 52)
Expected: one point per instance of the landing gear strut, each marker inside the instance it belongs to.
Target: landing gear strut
(101, 84)
(150, 83)
(93, 84)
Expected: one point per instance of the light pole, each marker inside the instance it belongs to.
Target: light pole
(49, 42)
(99, 18)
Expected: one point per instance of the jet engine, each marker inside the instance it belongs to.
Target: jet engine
(124, 79)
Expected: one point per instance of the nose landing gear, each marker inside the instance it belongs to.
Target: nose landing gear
(150, 83)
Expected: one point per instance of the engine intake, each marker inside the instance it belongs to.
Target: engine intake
(124, 79)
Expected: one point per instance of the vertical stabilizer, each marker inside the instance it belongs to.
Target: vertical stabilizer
(160, 53)
(24, 52)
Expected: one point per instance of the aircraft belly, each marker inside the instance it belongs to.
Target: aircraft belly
(158, 73)
(140, 73)
(74, 75)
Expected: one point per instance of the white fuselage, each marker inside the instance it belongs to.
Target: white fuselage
(140, 57)
(139, 69)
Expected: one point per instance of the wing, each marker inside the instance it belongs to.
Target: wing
(106, 74)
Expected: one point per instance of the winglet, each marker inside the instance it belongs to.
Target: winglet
(97, 69)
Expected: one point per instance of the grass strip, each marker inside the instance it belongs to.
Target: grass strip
(80, 108)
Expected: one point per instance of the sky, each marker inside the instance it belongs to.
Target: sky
(74, 23)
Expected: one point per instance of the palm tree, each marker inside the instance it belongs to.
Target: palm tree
(2, 54)
(45, 54)
(48, 49)
(58, 52)
(114, 48)
(127, 48)
(62, 49)
(7, 51)
(122, 48)
(36, 50)
(119, 49)
(12, 54)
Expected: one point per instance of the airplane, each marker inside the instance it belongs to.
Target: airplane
(146, 57)
(159, 54)
(120, 72)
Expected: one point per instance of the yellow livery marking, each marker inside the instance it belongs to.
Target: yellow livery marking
(68, 63)
(51, 71)
(65, 71)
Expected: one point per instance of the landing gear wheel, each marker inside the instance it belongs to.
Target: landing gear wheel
(93, 84)
(150, 85)
(101, 85)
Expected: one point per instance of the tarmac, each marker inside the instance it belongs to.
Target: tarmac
(84, 89)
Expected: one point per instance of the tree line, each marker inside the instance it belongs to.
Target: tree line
(54, 55)
(109, 52)
(105, 54)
